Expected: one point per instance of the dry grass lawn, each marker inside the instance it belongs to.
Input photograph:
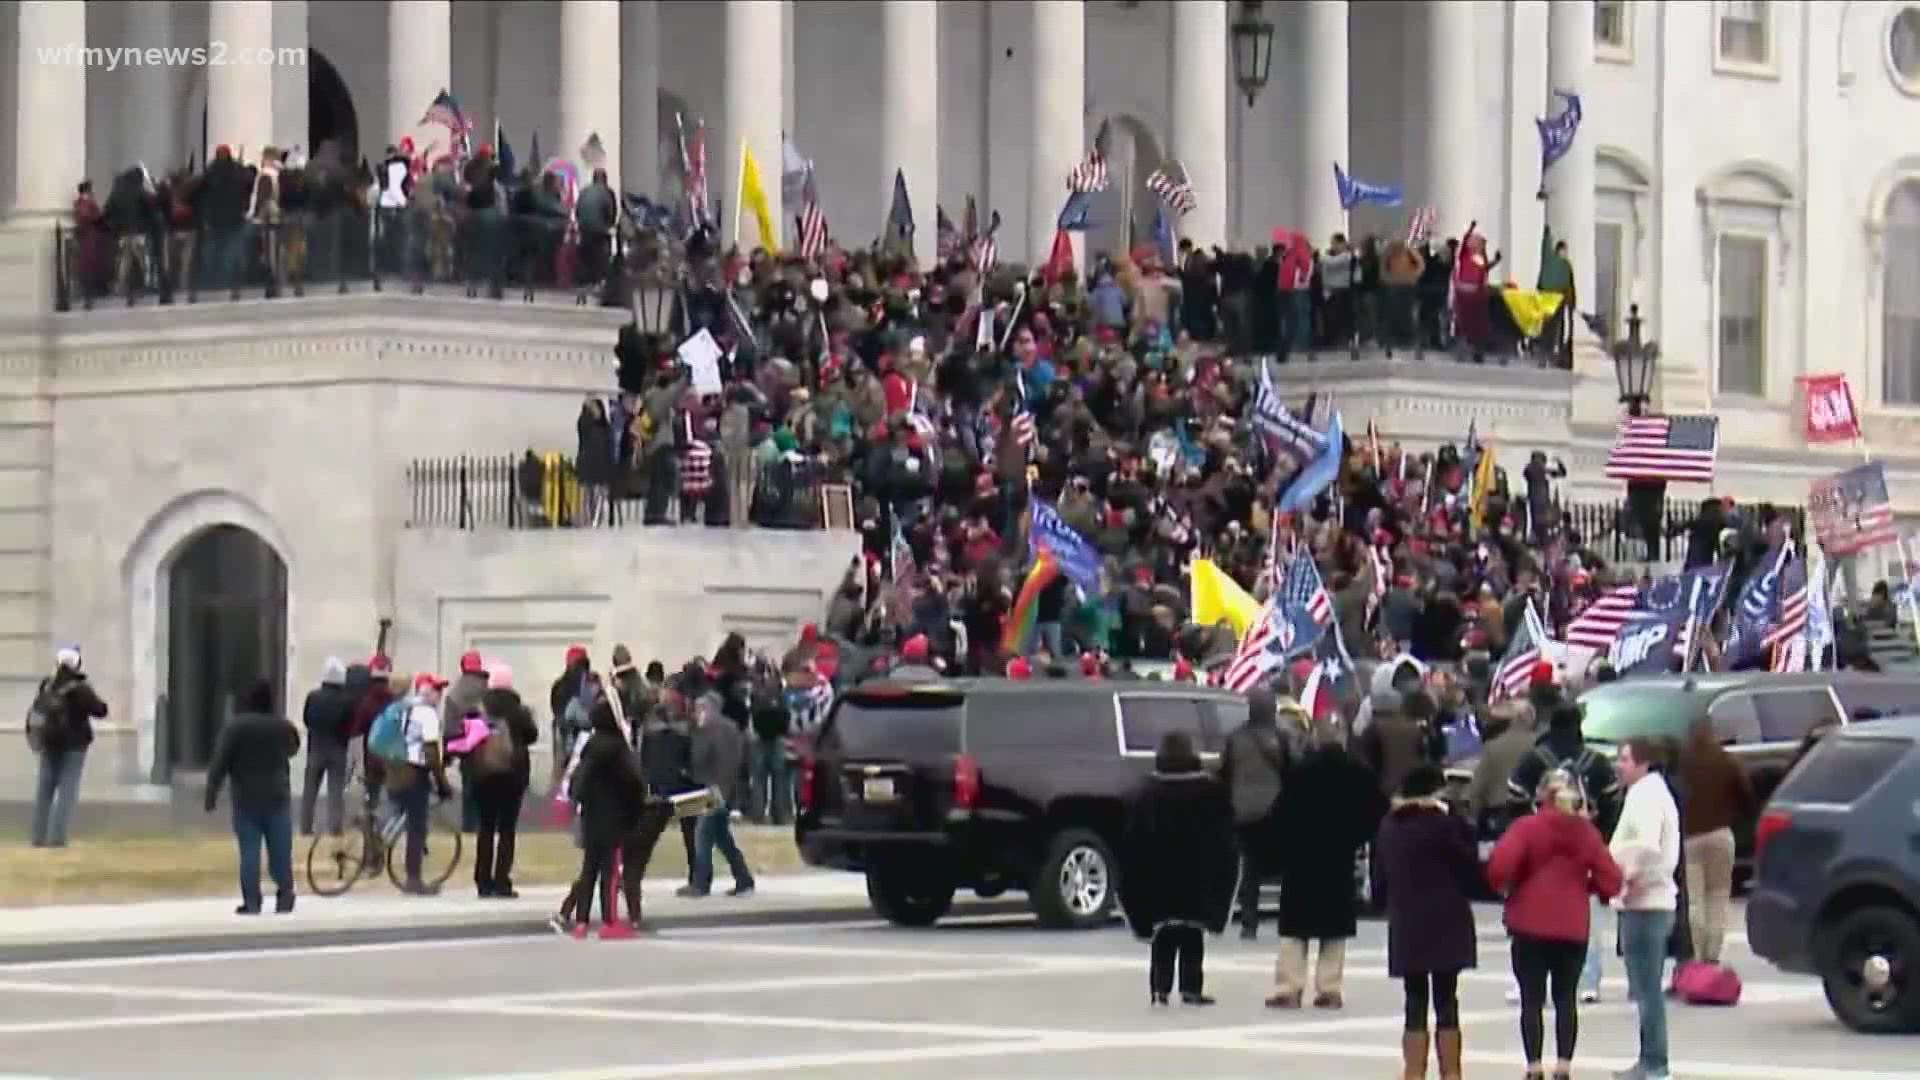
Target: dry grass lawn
(104, 870)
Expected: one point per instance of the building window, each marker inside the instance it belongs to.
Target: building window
(1611, 37)
(1903, 49)
(1900, 293)
(1743, 314)
(1745, 33)
(1609, 242)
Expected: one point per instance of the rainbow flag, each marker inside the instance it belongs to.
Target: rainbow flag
(1018, 629)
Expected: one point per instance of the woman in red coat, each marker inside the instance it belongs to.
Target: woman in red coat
(1548, 864)
(1471, 272)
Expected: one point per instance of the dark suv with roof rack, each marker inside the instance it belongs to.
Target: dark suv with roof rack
(993, 786)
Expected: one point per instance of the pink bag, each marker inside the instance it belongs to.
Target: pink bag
(1700, 983)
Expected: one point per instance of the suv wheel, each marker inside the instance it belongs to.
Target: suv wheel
(1077, 883)
(1870, 969)
(906, 898)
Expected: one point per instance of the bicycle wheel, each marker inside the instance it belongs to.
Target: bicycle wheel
(441, 856)
(334, 863)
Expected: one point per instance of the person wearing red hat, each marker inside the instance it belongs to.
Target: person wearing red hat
(1019, 670)
(569, 725)
(1090, 665)
(463, 701)
(424, 771)
(916, 662)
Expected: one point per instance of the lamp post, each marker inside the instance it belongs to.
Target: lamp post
(1252, 49)
(1633, 362)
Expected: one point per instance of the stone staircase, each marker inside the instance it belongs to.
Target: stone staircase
(1893, 648)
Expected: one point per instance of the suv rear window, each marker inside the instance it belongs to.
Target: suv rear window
(1616, 715)
(1840, 769)
(1787, 715)
(1145, 719)
(922, 729)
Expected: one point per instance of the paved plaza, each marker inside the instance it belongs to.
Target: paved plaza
(977, 998)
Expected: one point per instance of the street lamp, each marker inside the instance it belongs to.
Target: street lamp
(1252, 49)
(1633, 364)
(653, 295)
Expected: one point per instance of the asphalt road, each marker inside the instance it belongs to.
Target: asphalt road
(989, 997)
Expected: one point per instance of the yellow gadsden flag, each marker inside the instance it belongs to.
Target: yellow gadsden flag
(754, 197)
(1531, 309)
(1483, 481)
(1217, 598)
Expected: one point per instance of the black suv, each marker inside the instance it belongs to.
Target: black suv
(992, 785)
(1837, 887)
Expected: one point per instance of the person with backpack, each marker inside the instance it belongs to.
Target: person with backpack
(59, 729)
(1550, 865)
(1563, 747)
(566, 691)
(407, 738)
(1253, 767)
(254, 751)
(502, 772)
(462, 701)
(328, 715)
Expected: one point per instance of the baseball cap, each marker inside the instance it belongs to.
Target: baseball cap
(471, 664)
(427, 680)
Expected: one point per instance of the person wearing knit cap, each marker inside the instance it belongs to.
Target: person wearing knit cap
(500, 794)
(60, 728)
(328, 716)
(568, 690)
(1427, 857)
(915, 662)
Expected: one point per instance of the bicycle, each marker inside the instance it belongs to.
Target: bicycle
(374, 835)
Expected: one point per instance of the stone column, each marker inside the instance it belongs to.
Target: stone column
(1057, 51)
(1570, 181)
(590, 98)
(50, 128)
(240, 96)
(640, 96)
(150, 107)
(1201, 68)
(419, 66)
(909, 133)
(756, 101)
(1324, 127)
(1448, 160)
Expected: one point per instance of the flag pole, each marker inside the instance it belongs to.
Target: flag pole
(739, 190)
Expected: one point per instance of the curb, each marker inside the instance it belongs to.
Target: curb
(137, 947)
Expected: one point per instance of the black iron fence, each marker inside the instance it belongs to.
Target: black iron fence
(1611, 530)
(489, 253)
(545, 492)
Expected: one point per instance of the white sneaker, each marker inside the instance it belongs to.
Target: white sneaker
(1590, 997)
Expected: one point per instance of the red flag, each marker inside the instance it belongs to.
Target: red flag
(1828, 408)
(1060, 260)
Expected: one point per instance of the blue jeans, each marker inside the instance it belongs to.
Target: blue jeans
(54, 795)
(1050, 636)
(273, 826)
(770, 789)
(1296, 319)
(1643, 942)
(715, 829)
(1590, 971)
(412, 801)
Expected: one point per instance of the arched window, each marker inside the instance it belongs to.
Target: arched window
(1900, 355)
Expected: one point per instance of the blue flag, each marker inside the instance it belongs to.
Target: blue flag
(1077, 558)
(900, 216)
(1317, 475)
(503, 155)
(1354, 191)
(1557, 132)
(1073, 216)
(1759, 610)
(1657, 630)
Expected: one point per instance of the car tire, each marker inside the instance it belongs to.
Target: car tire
(1845, 949)
(1078, 882)
(906, 898)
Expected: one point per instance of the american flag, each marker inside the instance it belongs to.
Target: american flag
(946, 236)
(1290, 622)
(1091, 174)
(1523, 652)
(693, 163)
(984, 251)
(812, 220)
(1851, 510)
(445, 111)
(1600, 623)
(1420, 226)
(1177, 194)
(1790, 624)
(593, 152)
(1679, 449)
(1288, 435)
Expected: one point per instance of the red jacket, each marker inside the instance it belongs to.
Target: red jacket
(1547, 864)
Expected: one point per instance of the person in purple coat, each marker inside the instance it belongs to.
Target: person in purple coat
(1430, 869)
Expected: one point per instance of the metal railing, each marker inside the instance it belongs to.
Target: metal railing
(1608, 528)
(507, 492)
(489, 253)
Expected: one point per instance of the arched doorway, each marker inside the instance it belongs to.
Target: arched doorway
(330, 113)
(1123, 214)
(226, 628)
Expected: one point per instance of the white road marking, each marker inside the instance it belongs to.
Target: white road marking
(794, 1062)
(96, 1023)
(95, 963)
(776, 983)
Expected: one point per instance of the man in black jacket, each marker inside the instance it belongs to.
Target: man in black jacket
(254, 750)
(60, 729)
(328, 717)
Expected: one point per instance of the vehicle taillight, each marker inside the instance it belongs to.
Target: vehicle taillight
(806, 780)
(966, 782)
(1767, 828)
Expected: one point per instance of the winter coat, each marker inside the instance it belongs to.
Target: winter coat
(505, 705)
(1332, 806)
(1394, 744)
(1253, 767)
(1430, 868)
(1177, 859)
(608, 786)
(253, 751)
(1548, 864)
(83, 707)
(666, 758)
(328, 714)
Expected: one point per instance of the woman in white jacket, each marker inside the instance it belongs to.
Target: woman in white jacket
(1646, 844)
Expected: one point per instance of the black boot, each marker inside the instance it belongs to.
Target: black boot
(631, 893)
